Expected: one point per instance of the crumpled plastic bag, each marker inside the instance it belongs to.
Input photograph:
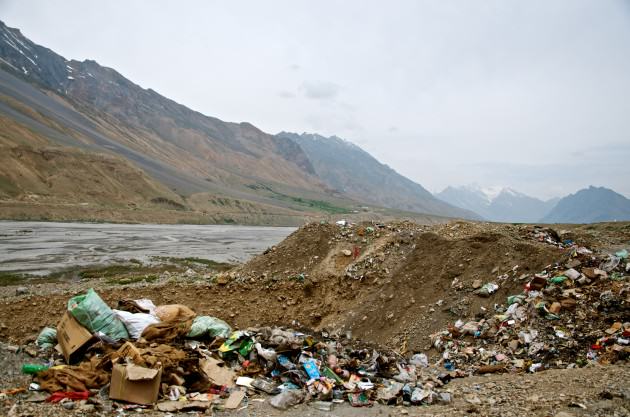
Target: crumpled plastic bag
(206, 326)
(419, 360)
(96, 316)
(287, 399)
(47, 338)
(135, 322)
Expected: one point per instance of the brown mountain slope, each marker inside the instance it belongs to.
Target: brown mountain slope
(88, 106)
(161, 129)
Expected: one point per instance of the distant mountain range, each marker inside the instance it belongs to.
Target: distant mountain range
(590, 205)
(593, 204)
(345, 167)
(498, 204)
(58, 117)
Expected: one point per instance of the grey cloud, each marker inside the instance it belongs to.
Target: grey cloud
(320, 90)
(286, 94)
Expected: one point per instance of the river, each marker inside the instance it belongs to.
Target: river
(41, 247)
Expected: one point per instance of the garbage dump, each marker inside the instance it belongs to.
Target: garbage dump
(174, 360)
(167, 358)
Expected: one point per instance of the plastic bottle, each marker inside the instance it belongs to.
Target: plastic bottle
(33, 368)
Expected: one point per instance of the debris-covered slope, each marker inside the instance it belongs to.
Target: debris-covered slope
(388, 286)
(357, 313)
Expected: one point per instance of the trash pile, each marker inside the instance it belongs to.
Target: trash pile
(168, 358)
(140, 355)
(566, 316)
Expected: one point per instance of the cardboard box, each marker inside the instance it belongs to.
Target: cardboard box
(71, 336)
(135, 384)
(129, 351)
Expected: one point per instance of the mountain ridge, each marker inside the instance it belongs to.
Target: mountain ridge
(81, 104)
(501, 204)
(346, 167)
(590, 205)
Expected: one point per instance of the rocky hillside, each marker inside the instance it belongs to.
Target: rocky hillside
(348, 168)
(589, 205)
(497, 204)
(81, 104)
(84, 105)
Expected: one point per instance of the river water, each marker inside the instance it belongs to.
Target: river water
(42, 247)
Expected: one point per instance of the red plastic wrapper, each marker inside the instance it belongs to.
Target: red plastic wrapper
(60, 395)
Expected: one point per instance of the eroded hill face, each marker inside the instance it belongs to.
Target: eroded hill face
(396, 282)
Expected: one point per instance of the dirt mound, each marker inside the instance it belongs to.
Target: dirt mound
(397, 282)
(394, 284)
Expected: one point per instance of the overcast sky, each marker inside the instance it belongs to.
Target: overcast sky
(534, 95)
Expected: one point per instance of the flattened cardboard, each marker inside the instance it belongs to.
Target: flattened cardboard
(135, 384)
(234, 400)
(217, 374)
(71, 335)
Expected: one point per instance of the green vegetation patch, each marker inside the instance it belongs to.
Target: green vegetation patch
(132, 279)
(319, 205)
(192, 261)
(10, 278)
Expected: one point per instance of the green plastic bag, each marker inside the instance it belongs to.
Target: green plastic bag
(96, 316)
(47, 338)
(520, 298)
(206, 326)
(558, 280)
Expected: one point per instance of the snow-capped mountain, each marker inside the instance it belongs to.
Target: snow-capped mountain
(499, 204)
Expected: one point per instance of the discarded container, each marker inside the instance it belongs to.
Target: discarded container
(285, 362)
(537, 283)
(72, 336)
(310, 366)
(33, 368)
(135, 384)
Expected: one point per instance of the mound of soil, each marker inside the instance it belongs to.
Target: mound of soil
(398, 282)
